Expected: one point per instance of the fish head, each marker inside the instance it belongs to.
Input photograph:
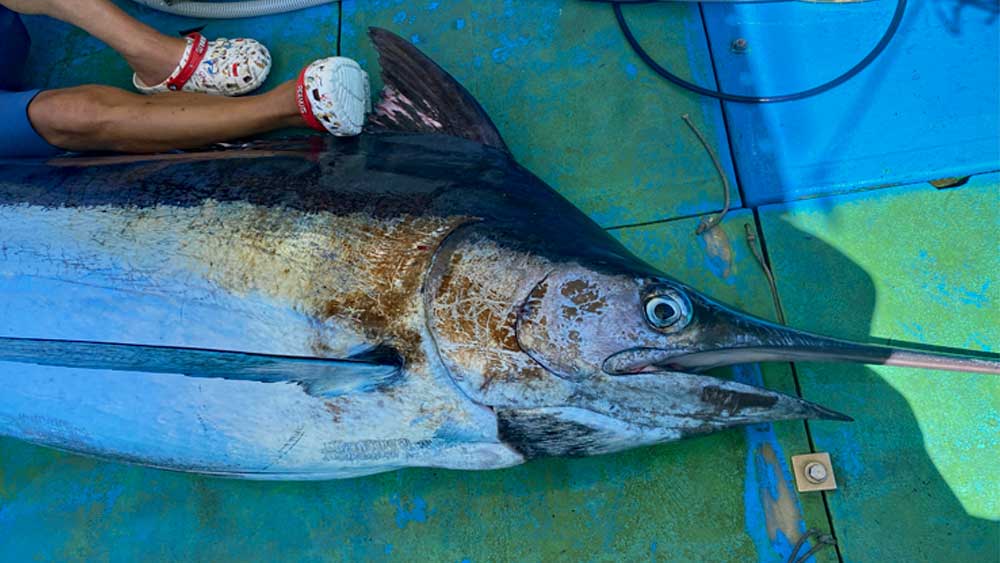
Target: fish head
(579, 322)
(632, 346)
(597, 352)
(606, 335)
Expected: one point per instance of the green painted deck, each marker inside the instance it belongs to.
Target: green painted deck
(917, 467)
(910, 263)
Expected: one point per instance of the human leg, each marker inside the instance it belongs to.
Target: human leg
(330, 95)
(150, 53)
(161, 62)
(89, 118)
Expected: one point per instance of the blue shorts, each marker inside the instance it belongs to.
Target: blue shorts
(18, 139)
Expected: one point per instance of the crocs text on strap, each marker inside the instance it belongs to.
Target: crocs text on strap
(199, 47)
(305, 106)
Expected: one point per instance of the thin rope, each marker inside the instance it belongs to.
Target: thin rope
(752, 243)
(823, 541)
(890, 32)
(714, 220)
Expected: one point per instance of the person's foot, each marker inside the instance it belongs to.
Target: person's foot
(157, 64)
(227, 67)
(333, 95)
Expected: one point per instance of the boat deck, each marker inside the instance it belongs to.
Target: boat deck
(836, 188)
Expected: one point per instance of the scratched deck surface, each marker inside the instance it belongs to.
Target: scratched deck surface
(579, 110)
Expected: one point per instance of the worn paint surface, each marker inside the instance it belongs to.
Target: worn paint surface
(917, 469)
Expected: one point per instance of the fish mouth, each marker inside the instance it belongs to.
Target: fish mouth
(726, 337)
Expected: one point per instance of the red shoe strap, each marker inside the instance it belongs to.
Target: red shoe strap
(305, 106)
(199, 47)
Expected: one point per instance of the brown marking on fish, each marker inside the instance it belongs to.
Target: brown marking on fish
(382, 256)
(320, 347)
(732, 402)
(445, 284)
(536, 298)
(474, 312)
(359, 278)
(574, 287)
(585, 295)
(508, 332)
(334, 409)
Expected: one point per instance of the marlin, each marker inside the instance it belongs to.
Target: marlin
(319, 309)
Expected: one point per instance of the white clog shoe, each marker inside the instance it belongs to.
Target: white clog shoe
(334, 95)
(225, 67)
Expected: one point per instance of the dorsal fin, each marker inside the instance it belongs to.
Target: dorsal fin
(421, 97)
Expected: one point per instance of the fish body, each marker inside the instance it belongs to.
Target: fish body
(305, 253)
(332, 264)
(304, 310)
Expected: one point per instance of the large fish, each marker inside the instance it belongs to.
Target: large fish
(321, 309)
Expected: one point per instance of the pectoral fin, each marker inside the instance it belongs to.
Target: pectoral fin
(320, 377)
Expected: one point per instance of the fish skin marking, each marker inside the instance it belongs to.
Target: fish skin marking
(572, 322)
(474, 312)
(295, 260)
(350, 268)
(355, 273)
(584, 295)
(367, 450)
(395, 107)
(732, 402)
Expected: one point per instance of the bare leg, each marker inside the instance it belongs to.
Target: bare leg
(151, 54)
(89, 118)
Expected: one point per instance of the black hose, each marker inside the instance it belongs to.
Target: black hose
(890, 32)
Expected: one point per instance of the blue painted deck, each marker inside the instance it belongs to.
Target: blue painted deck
(925, 109)
(580, 110)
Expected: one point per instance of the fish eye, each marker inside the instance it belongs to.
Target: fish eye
(667, 310)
